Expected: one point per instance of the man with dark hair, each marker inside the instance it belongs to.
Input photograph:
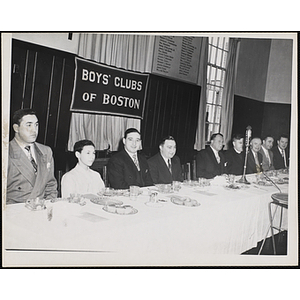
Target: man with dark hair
(211, 161)
(267, 154)
(165, 166)
(235, 157)
(30, 173)
(254, 158)
(128, 167)
(281, 154)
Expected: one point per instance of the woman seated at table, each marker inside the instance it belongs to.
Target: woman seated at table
(81, 179)
(165, 166)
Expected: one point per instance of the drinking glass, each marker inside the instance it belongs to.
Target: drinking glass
(176, 185)
(134, 192)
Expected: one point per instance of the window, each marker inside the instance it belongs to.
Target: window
(216, 69)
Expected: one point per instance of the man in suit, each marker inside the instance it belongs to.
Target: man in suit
(210, 161)
(165, 166)
(267, 154)
(235, 157)
(128, 167)
(254, 158)
(281, 155)
(30, 171)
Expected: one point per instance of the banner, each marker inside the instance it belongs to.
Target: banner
(107, 90)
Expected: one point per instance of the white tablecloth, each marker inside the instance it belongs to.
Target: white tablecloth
(227, 222)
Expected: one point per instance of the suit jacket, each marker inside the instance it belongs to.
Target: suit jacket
(207, 165)
(22, 182)
(251, 165)
(160, 172)
(278, 159)
(234, 162)
(122, 172)
(265, 161)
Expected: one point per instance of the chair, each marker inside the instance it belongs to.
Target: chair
(59, 175)
(279, 200)
(99, 165)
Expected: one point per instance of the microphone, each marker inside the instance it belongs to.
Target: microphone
(247, 144)
(268, 178)
(248, 136)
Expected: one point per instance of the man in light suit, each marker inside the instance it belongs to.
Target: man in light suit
(254, 158)
(165, 166)
(30, 171)
(128, 167)
(211, 161)
(281, 155)
(267, 154)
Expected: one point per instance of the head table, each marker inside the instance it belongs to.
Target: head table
(227, 222)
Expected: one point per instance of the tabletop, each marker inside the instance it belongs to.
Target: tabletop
(225, 221)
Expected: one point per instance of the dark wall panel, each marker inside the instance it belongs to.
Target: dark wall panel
(276, 119)
(264, 118)
(247, 112)
(171, 109)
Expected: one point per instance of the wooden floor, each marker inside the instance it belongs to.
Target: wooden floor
(280, 245)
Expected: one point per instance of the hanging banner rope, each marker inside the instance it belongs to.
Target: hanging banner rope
(107, 90)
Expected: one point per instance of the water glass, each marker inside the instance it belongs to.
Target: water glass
(152, 196)
(231, 178)
(176, 185)
(134, 192)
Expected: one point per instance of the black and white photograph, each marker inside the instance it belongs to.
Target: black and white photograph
(149, 149)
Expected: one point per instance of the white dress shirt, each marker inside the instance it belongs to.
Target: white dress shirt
(216, 153)
(266, 151)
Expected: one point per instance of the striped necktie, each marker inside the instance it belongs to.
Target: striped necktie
(170, 165)
(136, 162)
(31, 158)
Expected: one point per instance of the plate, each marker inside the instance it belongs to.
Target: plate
(122, 192)
(233, 187)
(154, 204)
(90, 196)
(106, 201)
(117, 209)
(184, 201)
(265, 183)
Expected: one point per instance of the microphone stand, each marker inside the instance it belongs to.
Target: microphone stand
(268, 178)
(243, 178)
(248, 135)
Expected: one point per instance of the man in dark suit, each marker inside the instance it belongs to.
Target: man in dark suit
(30, 171)
(210, 161)
(281, 155)
(235, 156)
(165, 166)
(267, 154)
(254, 158)
(128, 167)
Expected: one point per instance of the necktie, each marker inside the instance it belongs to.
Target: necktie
(257, 163)
(136, 162)
(269, 159)
(170, 165)
(218, 158)
(283, 156)
(31, 158)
